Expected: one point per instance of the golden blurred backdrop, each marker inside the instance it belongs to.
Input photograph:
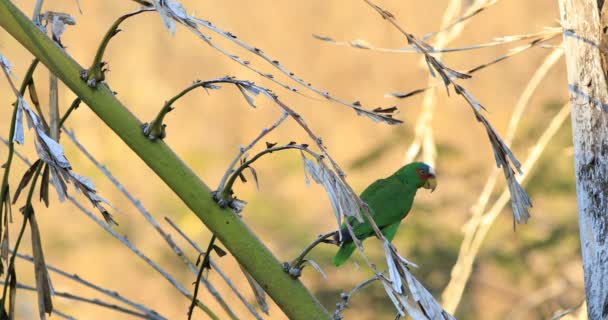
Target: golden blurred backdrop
(527, 274)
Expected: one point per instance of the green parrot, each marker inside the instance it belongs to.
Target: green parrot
(389, 201)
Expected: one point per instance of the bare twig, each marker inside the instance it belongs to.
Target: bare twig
(110, 293)
(244, 150)
(474, 9)
(96, 73)
(345, 297)
(537, 42)
(97, 302)
(365, 45)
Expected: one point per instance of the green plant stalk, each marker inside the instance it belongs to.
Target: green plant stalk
(156, 128)
(226, 192)
(289, 294)
(96, 72)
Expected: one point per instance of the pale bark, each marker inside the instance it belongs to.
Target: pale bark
(584, 33)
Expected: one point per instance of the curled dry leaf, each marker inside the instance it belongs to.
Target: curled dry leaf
(342, 200)
(317, 267)
(505, 159)
(52, 154)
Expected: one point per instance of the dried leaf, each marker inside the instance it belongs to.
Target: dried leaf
(316, 267)
(341, 198)
(404, 95)
(25, 180)
(386, 110)
(31, 88)
(43, 282)
(58, 23)
(237, 205)
(5, 64)
(53, 149)
(412, 310)
(389, 292)
(323, 38)
(220, 252)
(394, 275)
(244, 90)
(165, 15)
(58, 184)
(44, 186)
(306, 178)
(361, 44)
(425, 300)
(255, 177)
(18, 132)
(4, 246)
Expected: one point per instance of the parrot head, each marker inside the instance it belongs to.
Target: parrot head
(419, 173)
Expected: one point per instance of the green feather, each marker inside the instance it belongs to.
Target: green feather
(346, 250)
(389, 200)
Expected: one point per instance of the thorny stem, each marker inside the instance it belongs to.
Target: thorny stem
(27, 211)
(96, 73)
(242, 151)
(27, 79)
(226, 193)
(347, 296)
(156, 129)
(75, 104)
(297, 262)
(204, 265)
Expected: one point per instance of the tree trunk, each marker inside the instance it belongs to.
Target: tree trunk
(585, 35)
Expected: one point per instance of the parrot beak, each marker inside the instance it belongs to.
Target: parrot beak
(431, 183)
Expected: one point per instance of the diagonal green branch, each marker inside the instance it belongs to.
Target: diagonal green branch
(289, 294)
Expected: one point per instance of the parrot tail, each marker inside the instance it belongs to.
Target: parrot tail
(346, 250)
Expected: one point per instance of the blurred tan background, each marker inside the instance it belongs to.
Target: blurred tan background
(529, 274)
